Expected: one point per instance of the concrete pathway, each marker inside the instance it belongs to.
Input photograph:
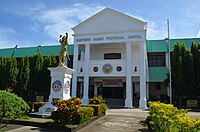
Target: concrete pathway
(119, 120)
(194, 114)
(116, 120)
(31, 129)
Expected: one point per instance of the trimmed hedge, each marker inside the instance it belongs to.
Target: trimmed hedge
(97, 103)
(99, 109)
(86, 114)
(11, 106)
(167, 118)
(70, 112)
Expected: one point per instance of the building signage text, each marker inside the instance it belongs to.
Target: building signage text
(109, 38)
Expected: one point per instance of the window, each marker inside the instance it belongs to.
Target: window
(112, 56)
(156, 60)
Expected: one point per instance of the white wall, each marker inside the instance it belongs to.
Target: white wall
(135, 53)
(99, 54)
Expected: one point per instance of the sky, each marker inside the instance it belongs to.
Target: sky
(28, 23)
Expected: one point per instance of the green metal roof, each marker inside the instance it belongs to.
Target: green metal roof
(30, 51)
(152, 46)
(19, 52)
(6, 52)
(157, 74)
(160, 45)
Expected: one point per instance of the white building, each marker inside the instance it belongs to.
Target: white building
(113, 59)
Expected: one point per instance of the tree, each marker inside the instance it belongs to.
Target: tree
(177, 71)
(35, 74)
(196, 66)
(49, 61)
(23, 76)
(53, 61)
(11, 72)
(188, 74)
(2, 73)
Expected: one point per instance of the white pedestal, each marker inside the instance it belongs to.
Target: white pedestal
(60, 88)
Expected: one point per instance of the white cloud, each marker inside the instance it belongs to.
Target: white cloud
(35, 27)
(154, 30)
(58, 20)
(198, 35)
(55, 21)
(7, 37)
(192, 11)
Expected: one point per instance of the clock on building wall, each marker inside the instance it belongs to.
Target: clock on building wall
(107, 68)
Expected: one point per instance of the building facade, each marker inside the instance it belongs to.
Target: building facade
(113, 59)
(113, 53)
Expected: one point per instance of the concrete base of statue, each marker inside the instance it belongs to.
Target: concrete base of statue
(60, 88)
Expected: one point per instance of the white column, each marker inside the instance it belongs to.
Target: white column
(86, 75)
(129, 92)
(143, 100)
(75, 67)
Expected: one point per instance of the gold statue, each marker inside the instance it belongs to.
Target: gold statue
(63, 51)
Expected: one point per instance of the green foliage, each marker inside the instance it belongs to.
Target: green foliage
(167, 118)
(185, 71)
(49, 61)
(99, 106)
(2, 73)
(86, 113)
(97, 100)
(26, 80)
(25, 117)
(11, 106)
(70, 112)
(11, 72)
(188, 73)
(23, 76)
(38, 69)
(177, 69)
(35, 73)
(196, 60)
(99, 109)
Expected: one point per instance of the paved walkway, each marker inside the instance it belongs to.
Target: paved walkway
(116, 120)
(119, 120)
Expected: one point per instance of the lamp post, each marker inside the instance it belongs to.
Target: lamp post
(169, 61)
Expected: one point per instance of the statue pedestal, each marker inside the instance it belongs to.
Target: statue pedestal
(60, 88)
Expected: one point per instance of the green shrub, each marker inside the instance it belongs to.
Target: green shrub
(99, 109)
(11, 106)
(97, 100)
(97, 103)
(166, 117)
(86, 113)
(70, 112)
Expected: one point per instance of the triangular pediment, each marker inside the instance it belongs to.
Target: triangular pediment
(109, 20)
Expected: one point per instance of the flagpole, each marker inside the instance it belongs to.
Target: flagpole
(169, 63)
